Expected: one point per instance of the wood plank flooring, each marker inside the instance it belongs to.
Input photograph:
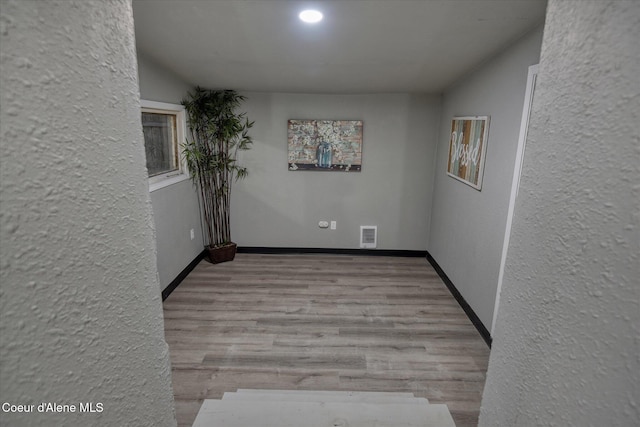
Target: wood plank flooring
(322, 322)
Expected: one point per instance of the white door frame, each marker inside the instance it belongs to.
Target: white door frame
(515, 183)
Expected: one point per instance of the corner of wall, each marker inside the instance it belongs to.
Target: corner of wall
(467, 226)
(175, 207)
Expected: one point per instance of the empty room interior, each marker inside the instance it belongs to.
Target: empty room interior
(439, 224)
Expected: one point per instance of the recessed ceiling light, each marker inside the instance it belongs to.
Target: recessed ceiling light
(310, 16)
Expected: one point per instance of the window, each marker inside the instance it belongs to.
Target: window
(160, 142)
(163, 126)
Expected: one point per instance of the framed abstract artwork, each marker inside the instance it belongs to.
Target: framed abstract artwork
(325, 145)
(467, 148)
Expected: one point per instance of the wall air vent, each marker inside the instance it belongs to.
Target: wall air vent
(368, 236)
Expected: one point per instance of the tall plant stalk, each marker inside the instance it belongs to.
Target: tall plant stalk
(217, 133)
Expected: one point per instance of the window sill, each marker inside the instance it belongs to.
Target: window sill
(153, 186)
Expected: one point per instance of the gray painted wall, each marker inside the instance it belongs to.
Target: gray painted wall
(175, 207)
(467, 226)
(159, 84)
(567, 336)
(281, 208)
(81, 312)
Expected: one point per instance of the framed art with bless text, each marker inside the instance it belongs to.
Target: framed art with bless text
(467, 149)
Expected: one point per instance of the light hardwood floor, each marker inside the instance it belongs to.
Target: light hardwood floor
(322, 322)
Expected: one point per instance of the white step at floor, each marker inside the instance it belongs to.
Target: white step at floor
(274, 397)
(327, 392)
(325, 411)
(323, 396)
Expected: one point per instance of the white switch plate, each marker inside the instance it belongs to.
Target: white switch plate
(333, 225)
(323, 224)
(192, 234)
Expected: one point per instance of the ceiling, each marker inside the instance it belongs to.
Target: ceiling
(361, 46)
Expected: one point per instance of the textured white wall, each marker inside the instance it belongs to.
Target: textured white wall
(467, 226)
(567, 339)
(281, 208)
(81, 311)
(175, 207)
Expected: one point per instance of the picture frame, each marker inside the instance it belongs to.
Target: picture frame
(467, 149)
(325, 145)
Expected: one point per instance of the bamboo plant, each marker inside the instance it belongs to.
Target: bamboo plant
(217, 132)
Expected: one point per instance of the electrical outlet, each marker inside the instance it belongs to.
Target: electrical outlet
(192, 234)
(323, 224)
(333, 225)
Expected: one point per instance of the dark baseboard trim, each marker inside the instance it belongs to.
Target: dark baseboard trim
(463, 303)
(184, 273)
(375, 252)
